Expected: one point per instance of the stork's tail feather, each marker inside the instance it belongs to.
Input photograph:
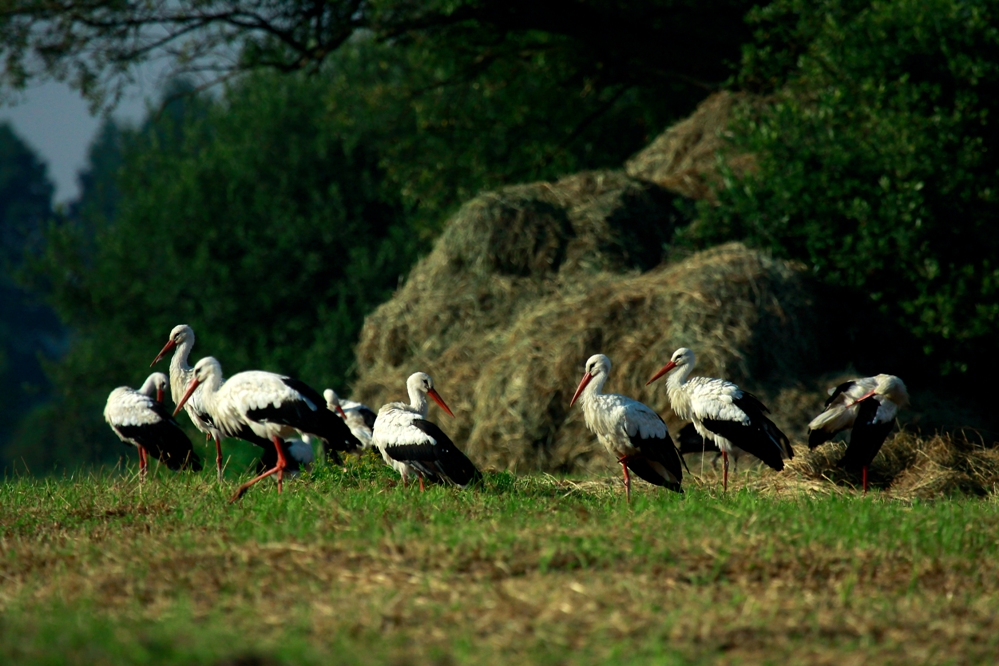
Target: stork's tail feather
(457, 467)
(336, 435)
(644, 469)
(778, 437)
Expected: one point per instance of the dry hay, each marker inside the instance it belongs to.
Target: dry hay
(684, 159)
(528, 282)
(910, 465)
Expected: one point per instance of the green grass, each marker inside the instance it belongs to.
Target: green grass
(350, 567)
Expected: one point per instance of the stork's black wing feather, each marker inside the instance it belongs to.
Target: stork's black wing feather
(845, 386)
(315, 419)
(867, 436)
(439, 453)
(368, 416)
(750, 404)
(165, 441)
(762, 438)
(661, 451)
(819, 437)
(306, 391)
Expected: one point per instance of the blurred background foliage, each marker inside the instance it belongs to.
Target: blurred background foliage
(272, 212)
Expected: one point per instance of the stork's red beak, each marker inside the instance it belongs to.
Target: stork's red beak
(863, 397)
(190, 391)
(582, 384)
(163, 352)
(342, 413)
(440, 401)
(159, 395)
(666, 368)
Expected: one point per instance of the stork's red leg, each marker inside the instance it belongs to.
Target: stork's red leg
(277, 469)
(422, 489)
(218, 456)
(143, 464)
(627, 479)
(725, 465)
(281, 463)
(864, 476)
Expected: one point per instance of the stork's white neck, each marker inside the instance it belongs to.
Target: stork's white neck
(210, 387)
(149, 386)
(679, 399)
(418, 400)
(180, 371)
(594, 388)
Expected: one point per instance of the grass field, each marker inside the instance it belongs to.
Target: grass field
(349, 567)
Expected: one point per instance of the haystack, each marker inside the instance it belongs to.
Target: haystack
(911, 465)
(527, 282)
(685, 158)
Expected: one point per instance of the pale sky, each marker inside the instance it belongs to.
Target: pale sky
(53, 119)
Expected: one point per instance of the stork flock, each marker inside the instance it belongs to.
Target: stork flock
(269, 409)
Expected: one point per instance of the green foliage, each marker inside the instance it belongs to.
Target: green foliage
(27, 327)
(877, 153)
(459, 110)
(249, 218)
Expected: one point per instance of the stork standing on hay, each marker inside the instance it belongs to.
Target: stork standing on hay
(723, 413)
(272, 406)
(411, 444)
(868, 406)
(139, 418)
(631, 432)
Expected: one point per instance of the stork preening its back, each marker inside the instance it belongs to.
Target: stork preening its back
(868, 406)
(181, 341)
(631, 432)
(272, 406)
(411, 444)
(723, 413)
(360, 418)
(139, 418)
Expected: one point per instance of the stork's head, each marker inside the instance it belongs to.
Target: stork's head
(597, 365)
(161, 383)
(155, 385)
(892, 388)
(333, 403)
(205, 369)
(889, 386)
(179, 335)
(682, 358)
(420, 382)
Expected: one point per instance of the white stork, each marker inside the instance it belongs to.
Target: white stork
(630, 431)
(271, 406)
(182, 341)
(359, 417)
(869, 406)
(723, 413)
(139, 418)
(410, 443)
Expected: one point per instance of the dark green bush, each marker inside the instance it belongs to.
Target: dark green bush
(877, 146)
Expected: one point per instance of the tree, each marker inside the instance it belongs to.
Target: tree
(96, 44)
(28, 329)
(877, 152)
(250, 218)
